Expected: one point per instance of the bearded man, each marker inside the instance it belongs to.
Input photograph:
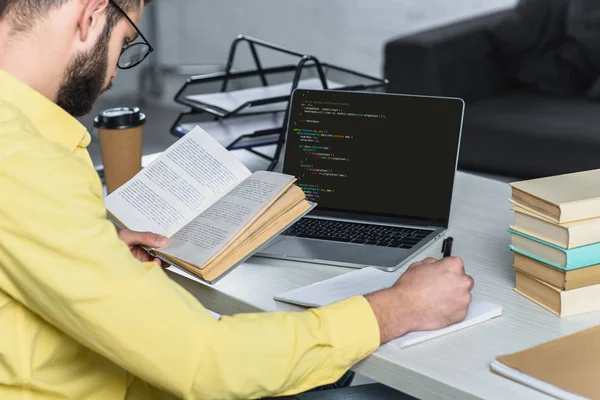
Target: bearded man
(84, 314)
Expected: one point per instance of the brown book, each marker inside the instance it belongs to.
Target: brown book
(567, 236)
(562, 198)
(562, 368)
(563, 303)
(215, 212)
(561, 279)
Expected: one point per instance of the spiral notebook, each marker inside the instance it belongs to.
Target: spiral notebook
(369, 280)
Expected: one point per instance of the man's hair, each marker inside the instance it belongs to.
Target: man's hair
(24, 13)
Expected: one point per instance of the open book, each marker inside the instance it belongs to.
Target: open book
(215, 212)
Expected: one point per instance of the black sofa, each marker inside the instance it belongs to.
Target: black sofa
(507, 131)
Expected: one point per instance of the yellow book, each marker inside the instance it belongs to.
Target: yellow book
(568, 235)
(562, 198)
(563, 303)
(559, 278)
(215, 212)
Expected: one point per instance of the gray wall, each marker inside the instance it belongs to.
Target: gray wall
(346, 32)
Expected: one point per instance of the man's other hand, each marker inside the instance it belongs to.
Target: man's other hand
(430, 295)
(137, 239)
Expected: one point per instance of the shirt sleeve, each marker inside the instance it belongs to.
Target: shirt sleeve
(62, 259)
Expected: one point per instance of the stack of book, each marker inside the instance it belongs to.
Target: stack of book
(556, 241)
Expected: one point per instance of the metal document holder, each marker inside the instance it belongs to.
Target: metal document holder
(230, 80)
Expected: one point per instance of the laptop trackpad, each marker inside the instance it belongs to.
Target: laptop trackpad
(333, 251)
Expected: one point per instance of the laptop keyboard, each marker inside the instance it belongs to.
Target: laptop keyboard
(351, 232)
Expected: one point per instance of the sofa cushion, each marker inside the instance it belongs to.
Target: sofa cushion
(583, 27)
(533, 26)
(551, 47)
(523, 135)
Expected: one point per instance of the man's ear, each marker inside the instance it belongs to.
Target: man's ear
(92, 16)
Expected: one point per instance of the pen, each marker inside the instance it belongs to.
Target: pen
(447, 247)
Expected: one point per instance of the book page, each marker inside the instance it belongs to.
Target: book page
(183, 182)
(206, 235)
(356, 283)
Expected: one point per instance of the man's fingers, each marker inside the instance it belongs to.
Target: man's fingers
(141, 254)
(414, 265)
(429, 260)
(148, 239)
(455, 264)
(471, 283)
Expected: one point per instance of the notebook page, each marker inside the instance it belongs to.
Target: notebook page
(369, 280)
(356, 283)
(479, 311)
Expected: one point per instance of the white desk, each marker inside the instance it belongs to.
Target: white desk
(455, 366)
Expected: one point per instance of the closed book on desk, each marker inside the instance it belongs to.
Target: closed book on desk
(215, 212)
(567, 368)
(568, 235)
(553, 255)
(562, 198)
(563, 303)
(559, 278)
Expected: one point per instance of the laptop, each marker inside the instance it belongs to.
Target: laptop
(381, 169)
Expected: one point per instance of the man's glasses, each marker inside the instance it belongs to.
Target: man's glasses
(132, 54)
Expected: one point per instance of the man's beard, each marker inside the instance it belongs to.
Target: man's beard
(84, 79)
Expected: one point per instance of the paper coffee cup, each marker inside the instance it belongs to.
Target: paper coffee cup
(121, 133)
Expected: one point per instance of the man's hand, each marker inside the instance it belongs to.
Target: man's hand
(136, 239)
(430, 295)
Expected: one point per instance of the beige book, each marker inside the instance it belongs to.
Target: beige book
(539, 250)
(562, 198)
(215, 212)
(563, 303)
(565, 368)
(568, 235)
(565, 280)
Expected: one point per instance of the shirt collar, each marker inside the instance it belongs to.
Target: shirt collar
(51, 121)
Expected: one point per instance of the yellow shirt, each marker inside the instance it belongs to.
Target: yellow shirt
(80, 317)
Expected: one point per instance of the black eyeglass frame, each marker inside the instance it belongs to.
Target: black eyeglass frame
(128, 46)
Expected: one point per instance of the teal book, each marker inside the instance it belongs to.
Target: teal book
(553, 255)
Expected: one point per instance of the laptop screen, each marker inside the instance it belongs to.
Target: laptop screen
(380, 154)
